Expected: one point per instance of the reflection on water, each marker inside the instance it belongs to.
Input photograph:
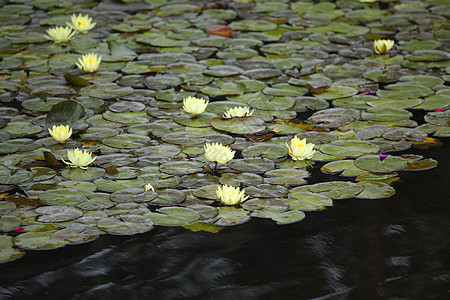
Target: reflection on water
(396, 248)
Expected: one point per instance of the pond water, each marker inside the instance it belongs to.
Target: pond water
(397, 248)
(352, 221)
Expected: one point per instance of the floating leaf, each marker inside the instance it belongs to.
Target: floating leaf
(126, 224)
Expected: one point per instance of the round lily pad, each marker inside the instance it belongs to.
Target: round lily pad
(255, 165)
(374, 163)
(181, 167)
(168, 197)
(375, 190)
(83, 175)
(349, 148)
(247, 125)
(126, 224)
(306, 201)
(38, 241)
(235, 179)
(59, 213)
(288, 217)
(230, 216)
(174, 216)
(76, 233)
(133, 195)
(286, 177)
(8, 223)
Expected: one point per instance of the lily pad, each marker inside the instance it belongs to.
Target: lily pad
(174, 216)
(247, 125)
(374, 163)
(126, 224)
(375, 190)
(38, 241)
(55, 214)
(306, 201)
(230, 216)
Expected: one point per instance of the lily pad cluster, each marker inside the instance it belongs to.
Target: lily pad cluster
(305, 69)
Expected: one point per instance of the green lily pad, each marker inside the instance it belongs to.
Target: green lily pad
(201, 120)
(174, 216)
(424, 164)
(168, 197)
(133, 195)
(38, 241)
(247, 125)
(375, 190)
(96, 201)
(349, 148)
(306, 201)
(374, 163)
(266, 191)
(230, 216)
(254, 165)
(59, 213)
(76, 233)
(7, 252)
(126, 141)
(252, 25)
(184, 138)
(288, 217)
(346, 167)
(64, 112)
(267, 150)
(262, 204)
(126, 224)
(106, 91)
(181, 167)
(336, 92)
(286, 177)
(8, 223)
(235, 179)
(82, 175)
(21, 128)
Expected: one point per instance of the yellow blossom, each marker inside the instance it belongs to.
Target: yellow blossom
(218, 153)
(149, 187)
(60, 133)
(238, 111)
(194, 105)
(89, 63)
(229, 195)
(299, 149)
(79, 158)
(382, 46)
(81, 23)
(59, 34)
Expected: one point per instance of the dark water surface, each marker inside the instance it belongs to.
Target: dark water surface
(397, 248)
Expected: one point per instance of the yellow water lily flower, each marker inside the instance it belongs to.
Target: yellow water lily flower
(229, 195)
(238, 112)
(60, 133)
(219, 153)
(383, 46)
(194, 105)
(89, 63)
(149, 187)
(81, 24)
(59, 34)
(79, 158)
(299, 149)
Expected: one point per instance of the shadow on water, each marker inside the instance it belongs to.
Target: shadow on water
(397, 248)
